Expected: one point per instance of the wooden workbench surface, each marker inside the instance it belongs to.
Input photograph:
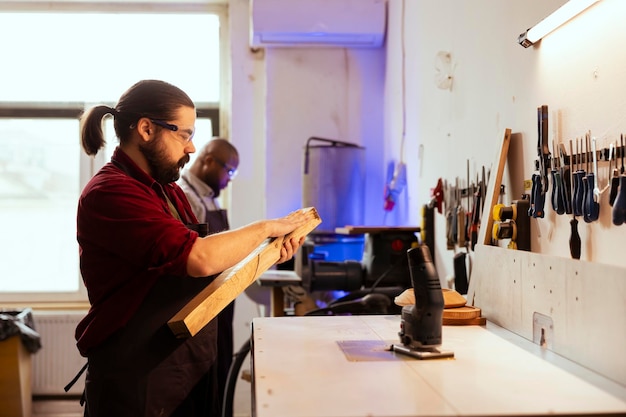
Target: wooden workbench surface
(339, 366)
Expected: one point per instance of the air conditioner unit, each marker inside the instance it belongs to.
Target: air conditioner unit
(323, 23)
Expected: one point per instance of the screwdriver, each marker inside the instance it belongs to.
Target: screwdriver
(619, 207)
(566, 180)
(574, 239)
(593, 197)
(577, 202)
(621, 140)
(475, 216)
(615, 175)
(537, 197)
(557, 191)
(585, 180)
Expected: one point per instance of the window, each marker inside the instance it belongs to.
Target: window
(58, 64)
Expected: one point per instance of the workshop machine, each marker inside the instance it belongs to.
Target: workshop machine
(362, 261)
(382, 269)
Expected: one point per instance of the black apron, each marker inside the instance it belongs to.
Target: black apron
(218, 222)
(147, 369)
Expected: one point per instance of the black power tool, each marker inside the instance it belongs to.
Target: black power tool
(421, 325)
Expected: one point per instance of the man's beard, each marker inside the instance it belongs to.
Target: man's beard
(163, 171)
(215, 186)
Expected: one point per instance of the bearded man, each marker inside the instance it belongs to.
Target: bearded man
(143, 256)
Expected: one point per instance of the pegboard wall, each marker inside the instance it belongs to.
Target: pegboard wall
(583, 302)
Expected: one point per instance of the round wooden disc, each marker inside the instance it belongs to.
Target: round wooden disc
(465, 312)
(480, 321)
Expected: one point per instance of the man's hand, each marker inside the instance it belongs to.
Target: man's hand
(289, 249)
(284, 225)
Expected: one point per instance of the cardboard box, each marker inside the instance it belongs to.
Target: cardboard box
(15, 379)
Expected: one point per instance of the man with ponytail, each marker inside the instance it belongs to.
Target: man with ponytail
(143, 256)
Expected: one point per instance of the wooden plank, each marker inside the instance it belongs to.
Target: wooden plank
(493, 191)
(233, 281)
(490, 200)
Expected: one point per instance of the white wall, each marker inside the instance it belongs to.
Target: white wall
(578, 72)
(497, 85)
(331, 93)
(284, 96)
(280, 98)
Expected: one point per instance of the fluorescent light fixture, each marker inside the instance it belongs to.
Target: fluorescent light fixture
(557, 18)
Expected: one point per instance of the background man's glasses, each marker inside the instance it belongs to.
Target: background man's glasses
(230, 170)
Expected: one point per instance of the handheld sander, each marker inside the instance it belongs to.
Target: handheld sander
(421, 325)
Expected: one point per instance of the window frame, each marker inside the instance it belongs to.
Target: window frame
(73, 110)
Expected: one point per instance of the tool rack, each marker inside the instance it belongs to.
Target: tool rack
(602, 154)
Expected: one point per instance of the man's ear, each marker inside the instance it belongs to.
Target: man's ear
(207, 158)
(145, 128)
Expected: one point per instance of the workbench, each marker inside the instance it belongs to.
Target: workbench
(341, 366)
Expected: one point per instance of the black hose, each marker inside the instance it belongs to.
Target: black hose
(231, 379)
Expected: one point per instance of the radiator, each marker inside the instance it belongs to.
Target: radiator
(58, 360)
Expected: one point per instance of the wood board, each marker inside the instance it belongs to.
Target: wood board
(490, 200)
(475, 321)
(493, 191)
(229, 284)
(465, 312)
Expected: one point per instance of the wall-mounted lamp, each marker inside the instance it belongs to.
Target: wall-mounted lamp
(557, 18)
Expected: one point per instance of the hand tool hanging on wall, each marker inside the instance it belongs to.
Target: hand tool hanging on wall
(483, 188)
(614, 174)
(460, 219)
(619, 207)
(574, 239)
(540, 179)
(587, 185)
(454, 233)
(475, 216)
(450, 217)
(545, 150)
(436, 195)
(621, 141)
(592, 205)
(556, 197)
(580, 192)
(566, 179)
(470, 204)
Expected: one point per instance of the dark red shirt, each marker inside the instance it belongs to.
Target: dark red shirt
(128, 238)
